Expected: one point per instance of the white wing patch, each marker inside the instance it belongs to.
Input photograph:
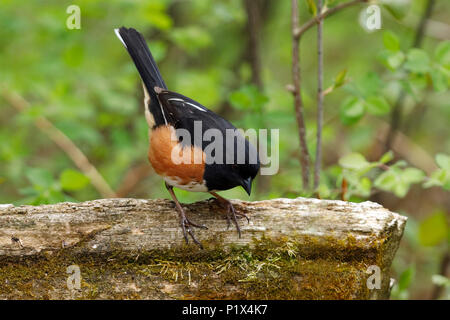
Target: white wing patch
(189, 103)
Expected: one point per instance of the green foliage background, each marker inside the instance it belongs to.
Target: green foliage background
(84, 82)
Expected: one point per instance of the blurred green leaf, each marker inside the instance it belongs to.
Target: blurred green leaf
(391, 41)
(395, 59)
(339, 80)
(405, 280)
(440, 81)
(353, 161)
(412, 175)
(351, 110)
(433, 230)
(441, 176)
(191, 38)
(443, 161)
(417, 61)
(72, 180)
(388, 156)
(39, 177)
(370, 84)
(248, 98)
(154, 12)
(377, 105)
(398, 181)
(312, 8)
(442, 53)
(440, 280)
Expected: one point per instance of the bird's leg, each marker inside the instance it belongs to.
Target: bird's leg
(231, 212)
(185, 222)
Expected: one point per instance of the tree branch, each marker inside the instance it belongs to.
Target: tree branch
(65, 144)
(298, 103)
(320, 97)
(299, 31)
(253, 31)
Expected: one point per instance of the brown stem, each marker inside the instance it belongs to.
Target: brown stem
(65, 144)
(296, 90)
(320, 96)
(253, 31)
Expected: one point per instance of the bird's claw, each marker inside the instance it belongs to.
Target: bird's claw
(186, 227)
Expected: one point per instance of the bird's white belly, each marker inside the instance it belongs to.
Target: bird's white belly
(193, 186)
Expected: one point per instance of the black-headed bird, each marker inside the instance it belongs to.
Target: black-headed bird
(178, 149)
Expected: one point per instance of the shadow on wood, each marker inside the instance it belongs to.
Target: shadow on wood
(131, 248)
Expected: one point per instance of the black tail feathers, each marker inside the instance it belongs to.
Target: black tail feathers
(136, 46)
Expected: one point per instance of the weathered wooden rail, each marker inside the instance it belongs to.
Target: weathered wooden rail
(131, 248)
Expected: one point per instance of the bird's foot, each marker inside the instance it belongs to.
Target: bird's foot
(232, 215)
(186, 225)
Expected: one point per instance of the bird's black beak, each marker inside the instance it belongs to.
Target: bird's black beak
(247, 185)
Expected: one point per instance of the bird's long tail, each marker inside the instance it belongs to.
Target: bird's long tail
(136, 46)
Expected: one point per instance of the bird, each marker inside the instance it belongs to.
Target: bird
(177, 128)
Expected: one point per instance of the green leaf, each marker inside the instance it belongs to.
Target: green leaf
(72, 180)
(39, 177)
(433, 230)
(354, 160)
(439, 178)
(406, 278)
(387, 180)
(440, 280)
(412, 175)
(442, 53)
(377, 105)
(339, 80)
(440, 82)
(365, 186)
(443, 161)
(417, 61)
(388, 156)
(351, 110)
(391, 41)
(154, 12)
(370, 84)
(395, 60)
(248, 98)
(191, 38)
(312, 8)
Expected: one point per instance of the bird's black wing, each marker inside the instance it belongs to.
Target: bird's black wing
(222, 171)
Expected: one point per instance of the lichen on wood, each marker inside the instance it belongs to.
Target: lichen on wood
(131, 248)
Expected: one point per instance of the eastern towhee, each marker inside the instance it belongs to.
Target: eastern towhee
(169, 113)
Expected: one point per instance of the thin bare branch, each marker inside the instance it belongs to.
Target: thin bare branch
(304, 157)
(320, 96)
(65, 144)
